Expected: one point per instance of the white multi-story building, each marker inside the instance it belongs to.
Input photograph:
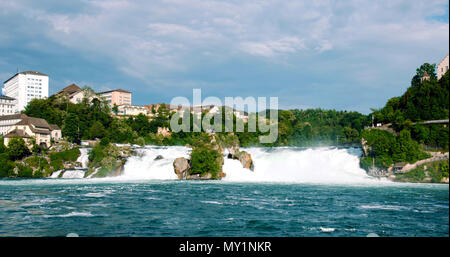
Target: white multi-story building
(25, 86)
(7, 105)
(132, 110)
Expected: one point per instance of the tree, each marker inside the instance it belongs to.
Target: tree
(204, 160)
(2, 145)
(115, 109)
(71, 129)
(426, 67)
(97, 130)
(17, 149)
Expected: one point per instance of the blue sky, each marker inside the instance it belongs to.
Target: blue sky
(344, 55)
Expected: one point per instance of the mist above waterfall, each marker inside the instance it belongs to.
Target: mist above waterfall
(283, 164)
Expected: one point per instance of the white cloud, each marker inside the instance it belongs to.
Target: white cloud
(153, 40)
(273, 47)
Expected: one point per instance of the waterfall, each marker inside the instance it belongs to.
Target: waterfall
(299, 165)
(144, 165)
(77, 172)
(84, 157)
(282, 164)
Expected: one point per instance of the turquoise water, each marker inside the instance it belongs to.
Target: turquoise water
(96, 207)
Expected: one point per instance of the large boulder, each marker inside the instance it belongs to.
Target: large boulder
(246, 160)
(181, 167)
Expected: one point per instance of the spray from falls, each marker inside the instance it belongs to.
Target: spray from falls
(288, 164)
(312, 165)
(146, 165)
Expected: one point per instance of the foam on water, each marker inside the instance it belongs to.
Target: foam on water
(144, 165)
(313, 165)
(284, 164)
(277, 165)
(84, 157)
(73, 174)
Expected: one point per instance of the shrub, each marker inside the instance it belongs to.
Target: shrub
(58, 158)
(24, 171)
(205, 160)
(140, 141)
(17, 149)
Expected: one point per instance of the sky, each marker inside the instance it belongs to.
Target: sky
(343, 55)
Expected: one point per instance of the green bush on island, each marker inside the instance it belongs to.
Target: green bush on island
(205, 160)
(105, 158)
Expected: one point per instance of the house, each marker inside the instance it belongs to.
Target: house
(6, 121)
(75, 94)
(30, 127)
(442, 67)
(55, 132)
(425, 76)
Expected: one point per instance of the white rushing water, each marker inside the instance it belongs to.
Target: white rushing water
(77, 172)
(144, 165)
(286, 164)
(84, 157)
(313, 165)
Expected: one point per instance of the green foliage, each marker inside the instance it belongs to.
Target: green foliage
(423, 100)
(2, 145)
(103, 156)
(204, 160)
(17, 148)
(140, 141)
(115, 109)
(6, 165)
(97, 130)
(58, 158)
(24, 171)
(97, 153)
(415, 175)
(388, 149)
(78, 121)
(71, 128)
